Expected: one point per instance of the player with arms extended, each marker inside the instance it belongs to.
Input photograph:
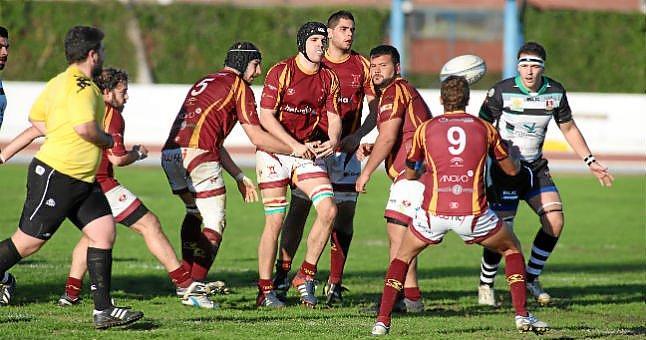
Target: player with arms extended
(454, 148)
(521, 108)
(298, 93)
(194, 155)
(353, 71)
(401, 110)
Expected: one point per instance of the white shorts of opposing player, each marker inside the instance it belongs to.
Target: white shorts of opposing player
(471, 229)
(343, 170)
(405, 199)
(196, 170)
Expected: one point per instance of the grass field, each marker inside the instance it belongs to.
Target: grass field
(596, 275)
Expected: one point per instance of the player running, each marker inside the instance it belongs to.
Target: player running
(193, 156)
(521, 108)
(401, 110)
(343, 167)
(454, 148)
(4, 55)
(298, 93)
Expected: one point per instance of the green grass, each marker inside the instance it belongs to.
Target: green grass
(596, 274)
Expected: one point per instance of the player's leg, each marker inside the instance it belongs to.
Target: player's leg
(290, 238)
(78, 267)
(319, 190)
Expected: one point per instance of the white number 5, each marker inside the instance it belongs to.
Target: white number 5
(201, 86)
(457, 144)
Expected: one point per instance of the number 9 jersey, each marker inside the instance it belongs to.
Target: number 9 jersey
(454, 147)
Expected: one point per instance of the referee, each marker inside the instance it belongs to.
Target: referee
(61, 179)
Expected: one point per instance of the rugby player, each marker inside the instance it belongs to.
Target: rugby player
(298, 93)
(193, 156)
(521, 109)
(454, 149)
(61, 178)
(353, 71)
(401, 110)
(4, 55)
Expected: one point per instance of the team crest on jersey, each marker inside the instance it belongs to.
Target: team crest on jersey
(549, 104)
(356, 80)
(454, 205)
(121, 198)
(291, 91)
(517, 104)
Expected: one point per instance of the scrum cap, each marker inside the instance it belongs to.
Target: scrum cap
(307, 30)
(240, 54)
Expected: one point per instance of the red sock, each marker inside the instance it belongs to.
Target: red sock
(393, 285)
(412, 293)
(73, 287)
(307, 270)
(181, 277)
(208, 244)
(339, 245)
(265, 286)
(515, 273)
(190, 234)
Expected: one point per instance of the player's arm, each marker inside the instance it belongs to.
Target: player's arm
(388, 133)
(577, 142)
(245, 185)
(264, 140)
(416, 155)
(507, 157)
(272, 125)
(19, 142)
(491, 108)
(90, 132)
(351, 142)
(333, 131)
(138, 152)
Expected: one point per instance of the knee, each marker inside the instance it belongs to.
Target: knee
(327, 210)
(148, 224)
(552, 223)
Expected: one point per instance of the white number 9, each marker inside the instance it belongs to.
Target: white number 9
(201, 86)
(457, 144)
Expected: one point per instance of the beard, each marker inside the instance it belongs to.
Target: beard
(96, 70)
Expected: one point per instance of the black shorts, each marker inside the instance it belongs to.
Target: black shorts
(53, 196)
(504, 191)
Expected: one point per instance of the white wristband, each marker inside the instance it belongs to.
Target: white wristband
(240, 176)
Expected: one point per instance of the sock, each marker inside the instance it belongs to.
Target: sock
(489, 267)
(190, 234)
(180, 277)
(339, 246)
(307, 270)
(283, 268)
(265, 286)
(9, 256)
(514, 271)
(541, 250)
(73, 287)
(208, 245)
(99, 264)
(393, 285)
(412, 293)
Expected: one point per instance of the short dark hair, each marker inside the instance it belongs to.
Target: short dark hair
(110, 77)
(4, 33)
(80, 40)
(532, 48)
(333, 20)
(385, 50)
(454, 93)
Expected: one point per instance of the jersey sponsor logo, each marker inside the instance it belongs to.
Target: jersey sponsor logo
(530, 128)
(305, 110)
(82, 83)
(509, 195)
(344, 100)
(454, 205)
(455, 178)
(456, 162)
(385, 107)
(457, 189)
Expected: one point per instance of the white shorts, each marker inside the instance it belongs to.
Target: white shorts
(405, 198)
(277, 171)
(472, 229)
(343, 169)
(198, 172)
(122, 202)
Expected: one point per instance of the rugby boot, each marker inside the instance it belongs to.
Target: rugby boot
(536, 289)
(67, 301)
(7, 288)
(269, 299)
(380, 329)
(281, 286)
(217, 288)
(530, 323)
(334, 293)
(306, 287)
(487, 296)
(115, 316)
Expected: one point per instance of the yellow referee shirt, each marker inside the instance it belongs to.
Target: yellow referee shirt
(69, 99)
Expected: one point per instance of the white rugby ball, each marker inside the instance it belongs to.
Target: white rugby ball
(469, 66)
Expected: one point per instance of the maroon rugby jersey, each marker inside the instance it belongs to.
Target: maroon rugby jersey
(354, 84)
(454, 148)
(300, 99)
(401, 100)
(113, 124)
(210, 111)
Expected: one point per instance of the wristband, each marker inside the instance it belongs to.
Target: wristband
(240, 176)
(589, 160)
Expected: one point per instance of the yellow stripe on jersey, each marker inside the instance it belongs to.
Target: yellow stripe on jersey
(242, 94)
(434, 195)
(194, 142)
(476, 183)
(396, 100)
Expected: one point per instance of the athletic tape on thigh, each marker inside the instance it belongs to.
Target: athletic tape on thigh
(212, 210)
(320, 192)
(275, 205)
(543, 210)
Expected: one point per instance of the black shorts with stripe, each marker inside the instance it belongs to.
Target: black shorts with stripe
(53, 196)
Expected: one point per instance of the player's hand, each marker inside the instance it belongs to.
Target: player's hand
(247, 189)
(601, 172)
(364, 151)
(325, 149)
(350, 143)
(141, 151)
(362, 181)
(304, 151)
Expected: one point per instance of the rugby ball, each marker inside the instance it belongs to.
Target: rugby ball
(469, 66)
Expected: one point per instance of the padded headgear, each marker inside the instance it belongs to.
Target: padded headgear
(307, 30)
(240, 54)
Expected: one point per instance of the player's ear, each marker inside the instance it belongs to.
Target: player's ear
(397, 68)
(329, 33)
